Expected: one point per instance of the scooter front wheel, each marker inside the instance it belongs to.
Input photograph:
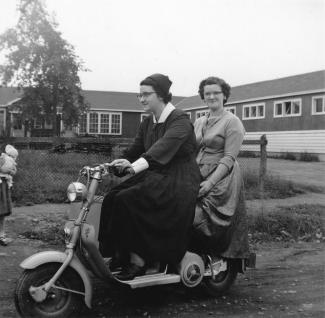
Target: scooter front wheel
(58, 303)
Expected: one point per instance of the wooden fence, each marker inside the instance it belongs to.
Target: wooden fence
(263, 159)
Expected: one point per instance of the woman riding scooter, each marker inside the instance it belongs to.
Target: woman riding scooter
(220, 217)
(148, 217)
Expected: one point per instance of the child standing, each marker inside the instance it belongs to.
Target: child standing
(8, 168)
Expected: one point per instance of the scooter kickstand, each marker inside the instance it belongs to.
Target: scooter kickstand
(211, 266)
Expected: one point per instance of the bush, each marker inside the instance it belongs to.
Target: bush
(300, 222)
(248, 154)
(287, 156)
(303, 156)
(306, 156)
(47, 229)
(98, 147)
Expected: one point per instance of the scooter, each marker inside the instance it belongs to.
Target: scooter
(58, 284)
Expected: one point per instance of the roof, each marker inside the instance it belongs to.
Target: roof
(126, 101)
(291, 85)
(8, 95)
(121, 101)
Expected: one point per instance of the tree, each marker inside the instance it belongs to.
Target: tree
(43, 65)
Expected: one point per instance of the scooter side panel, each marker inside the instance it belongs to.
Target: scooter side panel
(93, 217)
(41, 258)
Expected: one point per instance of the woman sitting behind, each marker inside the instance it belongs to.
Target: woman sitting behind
(220, 217)
(149, 217)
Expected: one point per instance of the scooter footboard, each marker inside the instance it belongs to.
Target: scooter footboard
(41, 258)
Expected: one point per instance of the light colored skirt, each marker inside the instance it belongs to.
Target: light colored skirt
(220, 217)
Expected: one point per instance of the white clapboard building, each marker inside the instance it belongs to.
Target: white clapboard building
(290, 111)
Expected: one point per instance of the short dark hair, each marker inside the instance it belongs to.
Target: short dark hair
(166, 97)
(225, 87)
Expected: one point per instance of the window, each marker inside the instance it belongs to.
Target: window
(278, 109)
(101, 123)
(318, 105)
(143, 116)
(260, 111)
(231, 109)
(201, 113)
(38, 123)
(116, 124)
(287, 108)
(104, 123)
(254, 111)
(83, 124)
(189, 114)
(93, 123)
(246, 112)
(17, 122)
(2, 120)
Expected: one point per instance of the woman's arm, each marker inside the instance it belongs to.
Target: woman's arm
(198, 125)
(132, 154)
(137, 147)
(162, 151)
(234, 136)
(165, 148)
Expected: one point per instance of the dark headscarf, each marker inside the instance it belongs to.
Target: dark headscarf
(161, 84)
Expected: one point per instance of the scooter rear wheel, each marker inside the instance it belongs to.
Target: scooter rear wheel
(58, 303)
(222, 281)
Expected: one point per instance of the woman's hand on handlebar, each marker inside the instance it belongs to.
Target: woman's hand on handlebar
(120, 162)
(121, 167)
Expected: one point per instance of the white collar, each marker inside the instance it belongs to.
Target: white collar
(165, 113)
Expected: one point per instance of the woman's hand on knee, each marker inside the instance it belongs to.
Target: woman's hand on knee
(205, 187)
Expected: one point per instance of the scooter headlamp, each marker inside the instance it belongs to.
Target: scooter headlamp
(76, 189)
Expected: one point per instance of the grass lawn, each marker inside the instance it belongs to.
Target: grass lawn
(298, 222)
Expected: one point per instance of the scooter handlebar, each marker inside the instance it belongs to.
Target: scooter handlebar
(105, 168)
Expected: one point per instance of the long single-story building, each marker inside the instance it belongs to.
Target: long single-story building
(113, 114)
(289, 110)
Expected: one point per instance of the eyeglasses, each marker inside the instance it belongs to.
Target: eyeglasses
(145, 94)
(212, 93)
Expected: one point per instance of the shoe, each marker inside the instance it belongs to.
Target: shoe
(113, 264)
(131, 271)
(4, 241)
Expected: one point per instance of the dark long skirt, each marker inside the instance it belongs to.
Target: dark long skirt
(5, 198)
(151, 214)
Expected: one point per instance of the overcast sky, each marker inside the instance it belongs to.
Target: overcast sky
(242, 41)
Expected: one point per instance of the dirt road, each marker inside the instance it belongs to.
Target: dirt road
(288, 281)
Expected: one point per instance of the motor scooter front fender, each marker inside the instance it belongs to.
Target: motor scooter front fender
(41, 258)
